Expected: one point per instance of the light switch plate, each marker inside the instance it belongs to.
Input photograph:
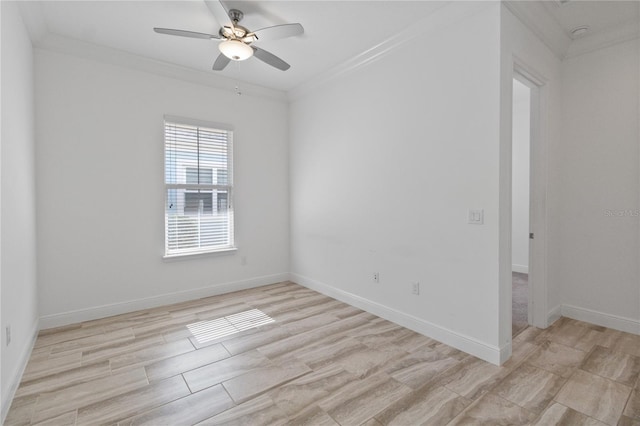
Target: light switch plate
(476, 216)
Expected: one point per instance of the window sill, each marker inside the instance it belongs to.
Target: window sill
(197, 254)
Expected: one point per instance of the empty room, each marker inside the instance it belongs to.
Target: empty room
(320, 212)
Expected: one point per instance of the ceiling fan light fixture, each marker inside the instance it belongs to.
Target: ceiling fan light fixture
(235, 50)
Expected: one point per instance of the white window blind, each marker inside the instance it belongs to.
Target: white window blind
(198, 188)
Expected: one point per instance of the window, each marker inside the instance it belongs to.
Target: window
(198, 187)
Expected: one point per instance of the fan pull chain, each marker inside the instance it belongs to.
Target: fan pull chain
(238, 91)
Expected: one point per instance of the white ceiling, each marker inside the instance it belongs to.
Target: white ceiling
(599, 16)
(335, 31)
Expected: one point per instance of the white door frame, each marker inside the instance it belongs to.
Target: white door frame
(538, 314)
(538, 300)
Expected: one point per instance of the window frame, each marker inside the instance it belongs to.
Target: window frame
(229, 188)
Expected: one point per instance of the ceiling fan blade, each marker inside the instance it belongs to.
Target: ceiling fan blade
(221, 62)
(270, 58)
(219, 11)
(279, 31)
(182, 33)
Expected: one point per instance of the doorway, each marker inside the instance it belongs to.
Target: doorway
(520, 206)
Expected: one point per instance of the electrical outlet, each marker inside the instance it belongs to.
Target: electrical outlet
(415, 288)
(476, 216)
(8, 334)
(376, 277)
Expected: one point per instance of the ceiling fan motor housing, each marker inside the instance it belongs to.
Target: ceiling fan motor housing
(235, 39)
(236, 15)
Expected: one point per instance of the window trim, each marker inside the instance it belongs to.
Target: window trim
(230, 188)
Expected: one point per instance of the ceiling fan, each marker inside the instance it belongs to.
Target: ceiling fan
(236, 40)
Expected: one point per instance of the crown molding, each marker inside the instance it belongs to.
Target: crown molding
(439, 18)
(70, 46)
(535, 16)
(33, 19)
(42, 38)
(626, 32)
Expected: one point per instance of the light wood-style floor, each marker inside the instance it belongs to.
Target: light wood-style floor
(283, 354)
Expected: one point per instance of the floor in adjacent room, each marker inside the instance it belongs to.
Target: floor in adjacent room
(520, 302)
(285, 354)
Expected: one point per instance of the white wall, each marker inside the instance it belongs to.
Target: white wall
(385, 163)
(520, 178)
(599, 245)
(18, 220)
(101, 191)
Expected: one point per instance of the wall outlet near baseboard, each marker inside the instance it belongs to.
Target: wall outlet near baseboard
(376, 277)
(415, 288)
(476, 216)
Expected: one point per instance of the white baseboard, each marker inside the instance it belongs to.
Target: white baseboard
(554, 315)
(523, 269)
(616, 322)
(80, 315)
(489, 353)
(25, 354)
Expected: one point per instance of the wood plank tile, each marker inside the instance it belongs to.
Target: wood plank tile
(64, 379)
(495, 411)
(370, 361)
(260, 411)
(43, 367)
(261, 379)
(425, 406)
(250, 341)
(521, 351)
(338, 309)
(161, 326)
(52, 337)
(331, 307)
(595, 396)
(298, 395)
(118, 321)
(558, 414)
(309, 323)
(628, 421)
(67, 419)
(189, 410)
(320, 362)
(556, 358)
(150, 354)
(627, 343)
(120, 348)
(632, 409)
(530, 387)
(223, 311)
(134, 402)
(217, 372)
(188, 361)
(412, 342)
(567, 332)
(472, 378)
(94, 341)
(618, 366)
(363, 399)
(327, 351)
(420, 367)
(297, 341)
(314, 416)
(53, 404)
(21, 411)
